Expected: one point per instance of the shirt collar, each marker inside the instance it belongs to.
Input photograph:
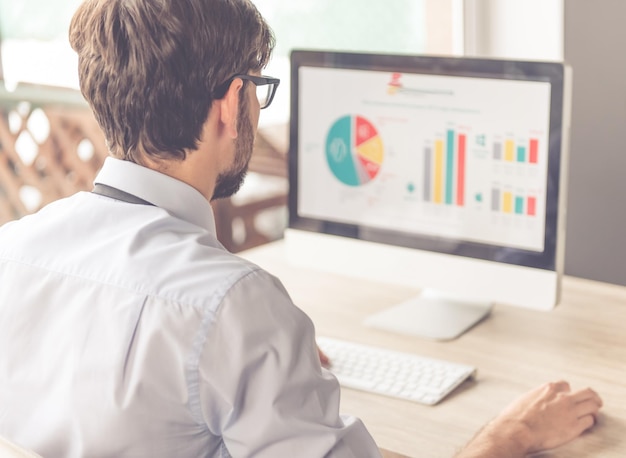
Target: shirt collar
(175, 196)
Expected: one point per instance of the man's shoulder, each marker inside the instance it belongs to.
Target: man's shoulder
(211, 274)
(146, 251)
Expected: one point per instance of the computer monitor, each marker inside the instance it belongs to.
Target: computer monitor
(446, 174)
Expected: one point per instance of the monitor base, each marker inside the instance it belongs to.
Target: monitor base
(431, 315)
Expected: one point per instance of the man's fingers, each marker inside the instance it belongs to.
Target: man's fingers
(561, 385)
(587, 394)
(586, 422)
(324, 360)
(589, 407)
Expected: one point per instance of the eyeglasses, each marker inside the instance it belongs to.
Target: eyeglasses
(265, 88)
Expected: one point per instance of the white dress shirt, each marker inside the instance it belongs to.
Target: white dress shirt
(127, 330)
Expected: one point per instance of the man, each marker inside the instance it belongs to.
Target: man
(126, 329)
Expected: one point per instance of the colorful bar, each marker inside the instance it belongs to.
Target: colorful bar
(460, 178)
(532, 206)
(438, 185)
(428, 152)
(497, 151)
(495, 200)
(507, 202)
(449, 166)
(509, 151)
(533, 149)
(519, 205)
(521, 154)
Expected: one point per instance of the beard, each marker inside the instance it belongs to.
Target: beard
(229, 182)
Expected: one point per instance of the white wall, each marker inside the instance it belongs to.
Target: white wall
(596, 220)
(589, 36)
(520, 29)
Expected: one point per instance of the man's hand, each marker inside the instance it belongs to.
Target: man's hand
(325, 360)
(544, 418)
(553, 415)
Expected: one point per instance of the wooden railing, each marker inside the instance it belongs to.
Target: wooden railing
(51, 147)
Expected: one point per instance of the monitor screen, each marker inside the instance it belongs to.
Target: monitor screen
(454, 156)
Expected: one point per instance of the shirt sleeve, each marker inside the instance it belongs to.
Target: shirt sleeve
(262, 387)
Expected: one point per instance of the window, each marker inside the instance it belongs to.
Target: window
(35, 47)
(38, 29)
(390, 26)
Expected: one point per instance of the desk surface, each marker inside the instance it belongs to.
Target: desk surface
(583, 341)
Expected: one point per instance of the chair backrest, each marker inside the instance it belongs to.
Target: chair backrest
(9, 449)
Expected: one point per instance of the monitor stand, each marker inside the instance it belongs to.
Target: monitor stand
(432, 315)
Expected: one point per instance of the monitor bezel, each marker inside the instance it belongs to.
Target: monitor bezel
(550, 72)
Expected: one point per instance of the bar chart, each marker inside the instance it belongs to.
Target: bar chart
(518, 203)
(510, 150)
(458, 161)
(445, 168)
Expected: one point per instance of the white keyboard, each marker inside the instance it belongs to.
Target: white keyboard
(392, 373)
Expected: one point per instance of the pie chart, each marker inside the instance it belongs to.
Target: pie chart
(354, 150)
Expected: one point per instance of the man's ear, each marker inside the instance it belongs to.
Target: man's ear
(230, 107)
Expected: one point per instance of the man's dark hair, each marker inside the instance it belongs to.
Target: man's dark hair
(150, 68)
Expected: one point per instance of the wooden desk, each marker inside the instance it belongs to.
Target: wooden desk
(582, 341)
